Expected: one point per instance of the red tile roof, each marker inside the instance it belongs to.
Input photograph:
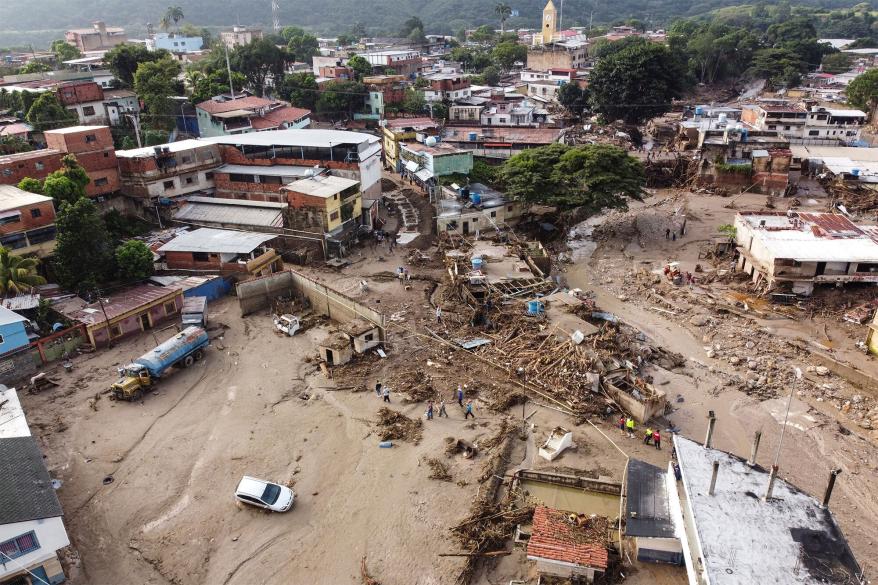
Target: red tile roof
(275, 118)
(555, 538)
(244, 103)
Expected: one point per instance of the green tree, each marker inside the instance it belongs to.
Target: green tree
(360, 66)
(173, 14)
(206, 85)
(491, 75)
(14, 145)
(417, 36)
(596, 176)
(636, 83)
(258, 61)
(82, 250)
(862, 92)
(301, 45)
(31, 185)
(505, 55)
(64, 51)
(46, 113)
(780, 67)
(483, 34)
(346, 40)
(134, 259)
(34, 67)
(155, 83)
(409, 25)
(17, 274)
(341, 98)
(573, 98)
(300, 89)
(837, 63)
(414, 102)
(503, 12)
(123, 60)
(67, 183)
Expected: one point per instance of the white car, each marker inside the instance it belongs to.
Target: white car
(265, 494)
(287, 324)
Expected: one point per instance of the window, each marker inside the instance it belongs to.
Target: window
(35, 213)
(39, 166)
(89, 137)
(786, 127)
(333, 216)
(189, 180)
(509, 208)
(100, 182)
(11, 219)
(493, 214)
(115, 331)
(368, 337)
(7, 172)
(186, 159)
(38, 236)
(208, 176)
(200, 257)
(814, 133)
(168, 184)
(170, 308)
(106, 155)
(239, 178)
(19, 546)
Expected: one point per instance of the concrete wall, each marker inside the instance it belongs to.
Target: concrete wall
(18, 365)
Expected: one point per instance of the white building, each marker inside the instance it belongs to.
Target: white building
(31, 526)
(168, 170)
(734, 535)
(817, 125)
(798, 250)
(174, 43)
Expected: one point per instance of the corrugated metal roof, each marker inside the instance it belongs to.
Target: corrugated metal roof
(117, 304)
(7, 317)
(217, 241)
(647, 512)
(22, 302)
(213, 211)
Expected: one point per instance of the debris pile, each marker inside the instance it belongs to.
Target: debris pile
(395, 426)
(438, 470)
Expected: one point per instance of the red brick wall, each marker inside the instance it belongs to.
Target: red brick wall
(75, 142)
(78, 93)
(22, 167)
(98, 157)
(185, 261)
(300, 200)
(28, 222)
(232, 155)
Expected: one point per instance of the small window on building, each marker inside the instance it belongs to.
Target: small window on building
(509, 208)
(101, 182)
(35, 213)
(367, 337)
(89, 137)
(786, 127)
(88, 111)
(19, 546)
(493, 214)
(7, 172)
(106, 155)
(185, 159)
(11, 219)
(39, 166)
(208, 176)
(333, 216)
(189, 180)
(168, 184)
(813, 132)
(170, 308)
(200, 257)
(115, 331)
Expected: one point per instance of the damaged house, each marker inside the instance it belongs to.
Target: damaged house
(798, 250)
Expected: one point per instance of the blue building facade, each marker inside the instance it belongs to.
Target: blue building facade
(12, 333)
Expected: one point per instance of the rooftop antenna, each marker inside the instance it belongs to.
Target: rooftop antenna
(275, 15)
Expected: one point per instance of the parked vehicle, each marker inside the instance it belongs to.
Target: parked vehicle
(182, 349)
(195, 311)
(264, 494)
(287, 323)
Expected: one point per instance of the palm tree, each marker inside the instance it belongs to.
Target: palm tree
(172, 14)
(504, 11)
(17, 274)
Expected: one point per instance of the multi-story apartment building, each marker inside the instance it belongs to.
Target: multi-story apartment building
(402, 62)
(98, 38)
(447, 86)
(804, 125)
(93, 148)
(168, 171)
(240, 35)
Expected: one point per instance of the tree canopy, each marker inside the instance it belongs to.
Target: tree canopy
(360, 66)
(636, 83)
(341, 98)
(123, 60)
(134, 260)
(155, 82)
(300, 89)
(83, 257)
(64, 51)
(47, 113)
(17, 274)
(862, 92)
(596, 176)
(258, 61)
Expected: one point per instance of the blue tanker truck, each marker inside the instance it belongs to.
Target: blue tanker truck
(183, 349)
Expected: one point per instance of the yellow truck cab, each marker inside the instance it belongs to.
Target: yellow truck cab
(133, 378)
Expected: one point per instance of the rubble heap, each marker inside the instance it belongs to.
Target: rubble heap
(396, 426)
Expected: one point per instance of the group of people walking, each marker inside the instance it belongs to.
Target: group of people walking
(383, 392)
(651, 436)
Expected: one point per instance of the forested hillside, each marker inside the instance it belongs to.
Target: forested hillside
(41, 20)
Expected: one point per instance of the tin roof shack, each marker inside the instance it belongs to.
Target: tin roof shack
(565, 546)
(242, 214)
(796, 250)
(222, 250)
(474, 207)
(641, 400)
(125, 313)
(648, 514)
(336, 349)
(364, 335)
(733, 535)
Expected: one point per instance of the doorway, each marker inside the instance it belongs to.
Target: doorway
(144, 322)
(329, 357)
(466, 228)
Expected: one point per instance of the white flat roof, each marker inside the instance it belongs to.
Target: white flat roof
(272, 171)
(323, 186)
(790, 539)
(12, 197)
(217, 241)
(296, 137)
(73, 129)
(171, 146)
(849, 244)
(12, 420)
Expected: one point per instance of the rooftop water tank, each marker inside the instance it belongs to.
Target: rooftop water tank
(473, 136)
(476, 198)
(431, 141)
(534, 307)
(722, 118)
(855, 172)
(699, 111)
(477, 263)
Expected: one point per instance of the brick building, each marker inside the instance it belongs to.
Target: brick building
(98, 38)
(36, 164)
(223, 251)
(326, 202)
(169, 170)
(94, 105)
(27, 222)
(258, 183)
(223, 115)
(93, 148)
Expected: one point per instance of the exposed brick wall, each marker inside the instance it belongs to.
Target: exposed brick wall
(232, 155)
(77, 142)
(14, 168)
(94, 150)
(186, 261)
(28, 221)
(80, 92)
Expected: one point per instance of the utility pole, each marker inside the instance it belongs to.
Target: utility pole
(560, 17)
(229, 69)
(135, 118)
(104, 311)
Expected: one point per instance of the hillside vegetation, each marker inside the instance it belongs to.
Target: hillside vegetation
(40, 21)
